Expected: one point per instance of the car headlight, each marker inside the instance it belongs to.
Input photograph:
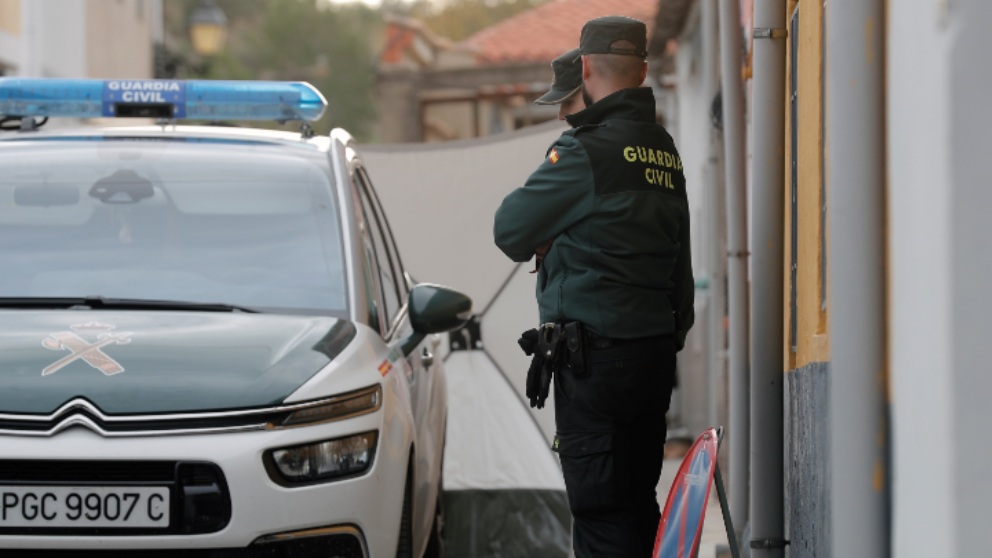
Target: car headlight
(343, 406)
(323, 461)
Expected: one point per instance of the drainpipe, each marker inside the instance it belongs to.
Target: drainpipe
(768, 194)
(859, 493)
(735, 185)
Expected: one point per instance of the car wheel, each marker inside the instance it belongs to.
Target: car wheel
(404, 547)
(435, 544)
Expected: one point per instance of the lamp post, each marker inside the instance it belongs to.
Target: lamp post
(208, 29)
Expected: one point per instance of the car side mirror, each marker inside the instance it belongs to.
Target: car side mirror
(435, 309)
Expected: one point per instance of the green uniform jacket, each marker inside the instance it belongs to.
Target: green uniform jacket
(611, 195)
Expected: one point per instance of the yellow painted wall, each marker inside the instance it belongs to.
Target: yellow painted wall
(812, 339)
(10, 16)
(119, 39)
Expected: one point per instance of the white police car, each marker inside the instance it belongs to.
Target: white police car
(209, 345)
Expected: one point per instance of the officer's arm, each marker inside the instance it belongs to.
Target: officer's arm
(556, 195)
(685, 287)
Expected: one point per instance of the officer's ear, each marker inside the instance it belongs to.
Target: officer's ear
(586, 68)
(644, 72)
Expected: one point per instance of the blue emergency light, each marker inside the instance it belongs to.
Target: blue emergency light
(160, 98)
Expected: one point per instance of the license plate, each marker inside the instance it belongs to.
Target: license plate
(84, 506)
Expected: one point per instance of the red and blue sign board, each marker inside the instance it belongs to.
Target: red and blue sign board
(681, 522)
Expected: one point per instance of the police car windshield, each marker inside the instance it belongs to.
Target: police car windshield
(242, 223)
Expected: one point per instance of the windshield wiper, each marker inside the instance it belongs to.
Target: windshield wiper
(100, 303)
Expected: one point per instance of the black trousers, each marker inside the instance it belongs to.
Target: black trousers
(611, 429)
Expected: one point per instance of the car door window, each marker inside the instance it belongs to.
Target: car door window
(388, 266)
(370, 264)
(390, 239)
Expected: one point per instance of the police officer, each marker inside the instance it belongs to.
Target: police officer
(566, 84)
(611, 198)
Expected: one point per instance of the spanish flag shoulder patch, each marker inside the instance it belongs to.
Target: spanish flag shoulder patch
(553, 156)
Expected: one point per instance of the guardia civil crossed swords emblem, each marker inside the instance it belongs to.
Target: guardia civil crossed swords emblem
(81, 349)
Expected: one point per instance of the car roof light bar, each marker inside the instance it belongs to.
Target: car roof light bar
(160, 98)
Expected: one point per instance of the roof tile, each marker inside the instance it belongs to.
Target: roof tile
(541, 34)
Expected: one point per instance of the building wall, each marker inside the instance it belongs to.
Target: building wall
(119, 39)
(398, 104)
(807, 343)
(701, 395)
(696, 70)
(77, 38)
(970, 121)
(10, 32)
(938, 121)
(10, 16)
(60, 26)
(452, 102)
(804, 218)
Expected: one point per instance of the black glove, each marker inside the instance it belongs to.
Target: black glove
(528, 341)
(543, 384)
(538, 378)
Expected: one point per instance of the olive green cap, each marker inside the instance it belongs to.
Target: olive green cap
(598, 36)
(567, 79)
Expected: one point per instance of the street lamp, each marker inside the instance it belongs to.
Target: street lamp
(208, 29)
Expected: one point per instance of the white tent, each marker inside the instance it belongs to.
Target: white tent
(504, 495)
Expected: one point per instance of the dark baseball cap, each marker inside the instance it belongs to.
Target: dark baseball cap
(599, 35)
(567, 80)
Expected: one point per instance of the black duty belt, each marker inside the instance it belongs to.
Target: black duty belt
(596, 342)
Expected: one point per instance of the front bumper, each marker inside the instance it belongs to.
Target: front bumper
(266, 519)
(344, 541)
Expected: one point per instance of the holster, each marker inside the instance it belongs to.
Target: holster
(577, 348)
(548, 339)
(556, 345)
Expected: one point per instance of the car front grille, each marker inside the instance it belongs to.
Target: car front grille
(39, 471)
(80, 413)
(161, 424)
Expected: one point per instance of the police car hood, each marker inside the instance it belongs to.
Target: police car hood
(160, 362)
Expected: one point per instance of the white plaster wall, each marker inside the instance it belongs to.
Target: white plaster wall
(82, 38)
(697, 403)
(10, 51)
(922, 325)
(970, 121)
(61, 37)
(692, 138)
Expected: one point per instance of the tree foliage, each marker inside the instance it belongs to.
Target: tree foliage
(332, 46)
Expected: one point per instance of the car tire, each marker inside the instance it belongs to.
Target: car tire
(404, 546)
(435, 544)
